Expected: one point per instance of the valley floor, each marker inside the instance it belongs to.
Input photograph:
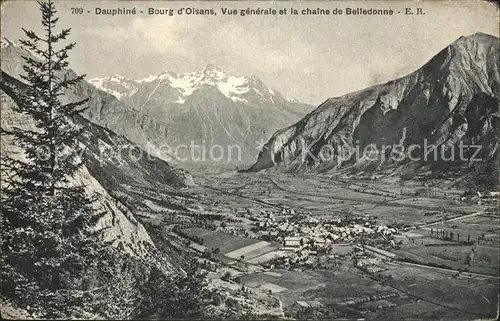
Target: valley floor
(314, 247)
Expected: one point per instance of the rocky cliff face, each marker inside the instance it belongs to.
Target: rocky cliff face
(208, 107)
(112, 163)
(454, 97)
(109, 164)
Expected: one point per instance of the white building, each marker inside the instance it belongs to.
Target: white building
(292, 243)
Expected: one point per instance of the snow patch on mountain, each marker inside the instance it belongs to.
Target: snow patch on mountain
(230, 86)
(207, 105)
(188, 83)
(233, 87)
(118, 86)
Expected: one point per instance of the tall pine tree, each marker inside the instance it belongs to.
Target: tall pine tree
(52, 148)
(46, 234)
(52, 263)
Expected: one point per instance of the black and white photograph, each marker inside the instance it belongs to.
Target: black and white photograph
(250, 160)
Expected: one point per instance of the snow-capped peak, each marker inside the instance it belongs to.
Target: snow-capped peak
(117, 85)
(214, 72)
(150, 78)
(233, 87)
(115, 79)
(187, 83)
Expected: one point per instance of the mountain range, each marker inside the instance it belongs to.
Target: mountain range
(451, 99)
(208, 107)
(167, 113)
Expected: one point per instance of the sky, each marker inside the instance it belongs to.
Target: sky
(305, 57)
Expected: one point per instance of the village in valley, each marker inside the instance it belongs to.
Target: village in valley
(301, 247)
(213, 160)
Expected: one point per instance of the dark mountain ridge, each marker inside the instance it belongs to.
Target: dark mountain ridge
(451, 99)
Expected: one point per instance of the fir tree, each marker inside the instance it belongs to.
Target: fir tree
(51, 149)
(46, 219)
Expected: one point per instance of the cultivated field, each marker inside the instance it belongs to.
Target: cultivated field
(427, 277)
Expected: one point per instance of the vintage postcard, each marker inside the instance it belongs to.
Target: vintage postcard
(226, 160)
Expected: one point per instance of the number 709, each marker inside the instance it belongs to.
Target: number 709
(78, 10)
